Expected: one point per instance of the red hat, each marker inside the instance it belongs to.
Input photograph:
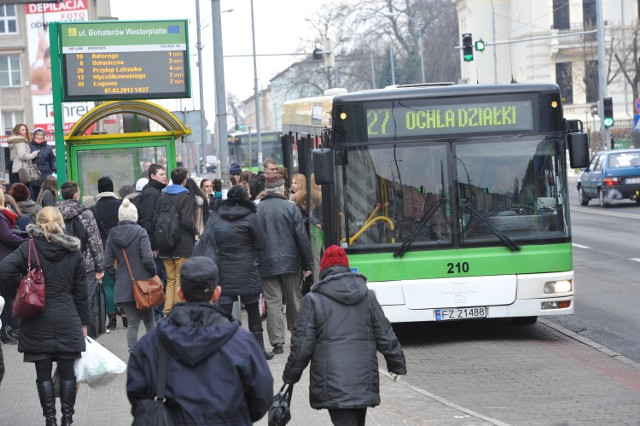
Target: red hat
(333, 256)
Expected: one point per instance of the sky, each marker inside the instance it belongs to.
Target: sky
(279, 25)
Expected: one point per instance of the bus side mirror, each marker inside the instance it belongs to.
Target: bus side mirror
(323, 165)
(578, 144)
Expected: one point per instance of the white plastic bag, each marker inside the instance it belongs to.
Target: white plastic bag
(97, 367)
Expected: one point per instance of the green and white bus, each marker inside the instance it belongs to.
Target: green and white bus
(452, 200)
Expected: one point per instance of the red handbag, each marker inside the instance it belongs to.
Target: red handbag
(29, 300)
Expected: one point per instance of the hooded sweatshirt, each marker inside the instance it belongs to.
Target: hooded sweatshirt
(206, 348)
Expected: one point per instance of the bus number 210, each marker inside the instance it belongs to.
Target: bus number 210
(456, 268)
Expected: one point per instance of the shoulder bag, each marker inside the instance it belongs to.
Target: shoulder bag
(29, 174)
(147, 293)
(29, 300)
(152, 412)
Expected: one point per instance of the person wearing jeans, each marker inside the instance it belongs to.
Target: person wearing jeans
(130, 238)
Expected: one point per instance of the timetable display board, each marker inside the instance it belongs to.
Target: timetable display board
(125, 60)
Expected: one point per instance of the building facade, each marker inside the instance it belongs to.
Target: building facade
(545, 41)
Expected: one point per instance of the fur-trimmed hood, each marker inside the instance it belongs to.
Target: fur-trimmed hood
(67, 242)
(14, 139)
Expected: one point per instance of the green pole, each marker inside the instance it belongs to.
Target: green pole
(58, 118)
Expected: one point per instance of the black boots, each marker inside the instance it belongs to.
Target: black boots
(47, 401)
(258, 335)
(67, 401)
(112, 324)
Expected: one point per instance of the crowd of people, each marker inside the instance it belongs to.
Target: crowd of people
(211, 251)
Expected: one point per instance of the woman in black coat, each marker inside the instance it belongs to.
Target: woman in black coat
(131, 237)
(57, 333)
(240, 238)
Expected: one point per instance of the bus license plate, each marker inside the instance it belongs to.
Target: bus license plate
(461, 313)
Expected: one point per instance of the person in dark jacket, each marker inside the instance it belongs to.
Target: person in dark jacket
(57, 333)
(216, 373)
(46, 159)
(21, 193)
(9, 241)
(48, 195)
(339, 328)
(174, 257)
(288, 253)
(131, 237)
(257, 183)
(240, 239)
(93, 251)
(105, 211)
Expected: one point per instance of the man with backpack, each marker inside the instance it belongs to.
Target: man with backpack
(174, 231)
(145, 202)
(80, 222)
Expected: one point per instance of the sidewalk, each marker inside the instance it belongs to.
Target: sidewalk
(402, 404)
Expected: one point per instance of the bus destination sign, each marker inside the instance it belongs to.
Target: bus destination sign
(433, 120)
(125, 60)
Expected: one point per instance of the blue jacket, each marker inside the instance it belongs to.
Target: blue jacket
(46, 159)
(216, 373)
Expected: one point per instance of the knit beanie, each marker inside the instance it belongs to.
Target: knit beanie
(141, 183)
(235, 169)
(127, 211)
(334, 256)
(105, 184)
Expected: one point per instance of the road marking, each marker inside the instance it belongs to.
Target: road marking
(635, 258)
(605, 213)
(580, 246)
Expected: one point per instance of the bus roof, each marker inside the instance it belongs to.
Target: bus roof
(429, 91)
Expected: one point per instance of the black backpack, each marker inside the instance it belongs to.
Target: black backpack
(167, 226)
(75, 227)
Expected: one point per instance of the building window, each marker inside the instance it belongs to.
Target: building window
(589, 14)
(561, 14)
(10, 119)
(10, 71)
(591, 80)
(564, 79)
(8, 21)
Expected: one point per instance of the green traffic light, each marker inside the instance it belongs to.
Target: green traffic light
(468, 57)
(480, 45)
(608, 122)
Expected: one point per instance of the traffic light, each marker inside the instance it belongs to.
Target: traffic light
(607, 113)
(317, 53)
(480, 45)
(467, 47)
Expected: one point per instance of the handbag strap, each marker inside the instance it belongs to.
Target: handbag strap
(126, 259)
(162, 373)
(35, 251)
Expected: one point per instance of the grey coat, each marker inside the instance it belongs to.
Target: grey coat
(340, 327)
(288, 248)
(134, 239)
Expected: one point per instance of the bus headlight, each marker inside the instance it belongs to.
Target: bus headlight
(562, 286)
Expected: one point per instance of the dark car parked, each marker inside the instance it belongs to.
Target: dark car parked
(612, 175)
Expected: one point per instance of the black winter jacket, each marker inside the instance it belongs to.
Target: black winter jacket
(105, 211)
(340, 326)
(133, 238)
(288, 248)
(57, 329)
(240, 239)
(147, 206)
(186, 205)
(216, 373)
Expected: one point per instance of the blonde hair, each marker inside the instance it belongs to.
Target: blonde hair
(300, 196)
(51, 222)
(2, 199)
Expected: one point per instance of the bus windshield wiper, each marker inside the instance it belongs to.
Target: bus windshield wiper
(513, 246)
(414, 233)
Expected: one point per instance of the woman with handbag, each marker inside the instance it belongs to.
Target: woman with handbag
(57, 333)
(130, 238)
(9, 241)
(21, 155)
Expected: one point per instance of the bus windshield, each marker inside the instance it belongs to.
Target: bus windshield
(508, 191)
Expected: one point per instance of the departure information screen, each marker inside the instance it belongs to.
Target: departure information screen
(417, 120)
(125, 60)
